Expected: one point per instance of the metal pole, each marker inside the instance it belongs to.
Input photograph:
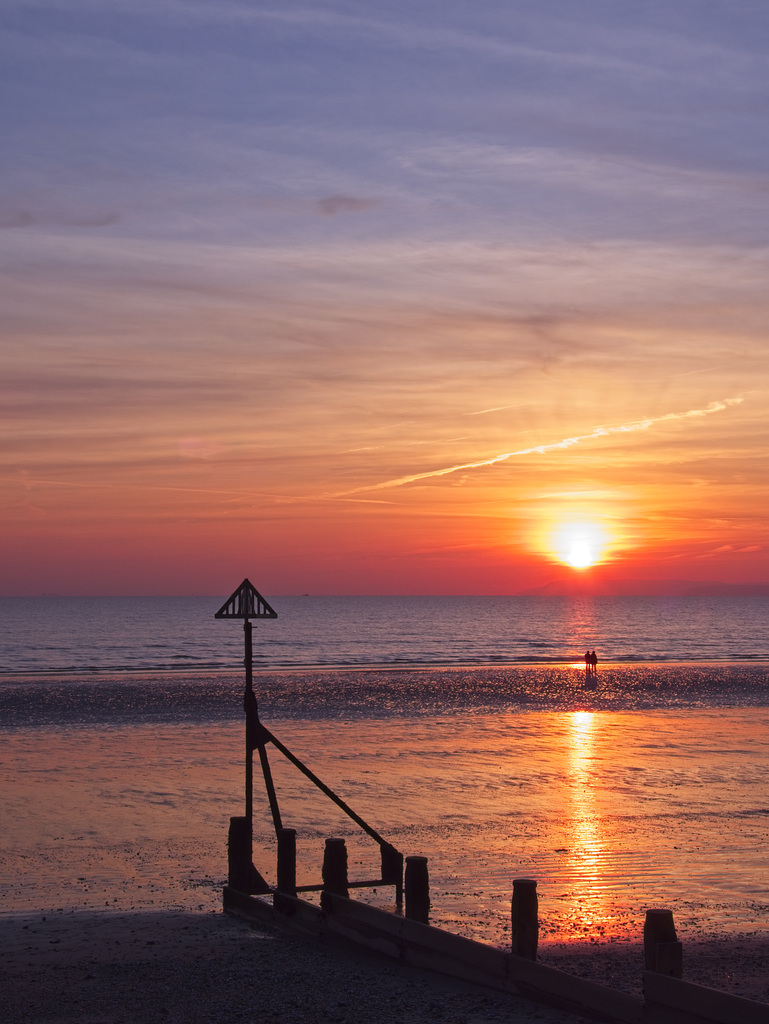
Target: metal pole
(249, 750)
(255, 737)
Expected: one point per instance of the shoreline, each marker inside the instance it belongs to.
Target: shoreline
(575, 663)
(182, 697)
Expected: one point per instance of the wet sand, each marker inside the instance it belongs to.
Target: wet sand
(739, 965)
(117, 837)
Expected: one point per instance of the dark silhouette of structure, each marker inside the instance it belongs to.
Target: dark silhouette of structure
(246, 603)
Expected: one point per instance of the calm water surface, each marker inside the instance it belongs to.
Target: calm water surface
(612, 812)
(149, 634)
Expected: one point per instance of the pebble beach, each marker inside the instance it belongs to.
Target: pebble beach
(195, 967)
(172, 966)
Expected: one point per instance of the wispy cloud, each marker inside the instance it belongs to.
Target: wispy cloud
(331, 206)
(494, 408)
(259, 253)
(26, 218)
(541, 449)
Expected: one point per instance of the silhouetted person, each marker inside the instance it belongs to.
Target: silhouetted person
(588, 662)
(594, 661)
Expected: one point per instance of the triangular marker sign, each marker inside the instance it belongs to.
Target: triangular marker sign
(246, 603)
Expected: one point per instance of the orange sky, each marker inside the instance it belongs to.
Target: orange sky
(392, 350)
(414, 466)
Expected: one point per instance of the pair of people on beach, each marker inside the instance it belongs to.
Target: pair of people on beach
(591, 662)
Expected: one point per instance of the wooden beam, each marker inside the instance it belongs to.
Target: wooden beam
(432, 949)
(673, 1001)
(666, 1000)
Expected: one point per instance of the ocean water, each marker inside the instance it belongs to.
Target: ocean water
(77, 635)
(123, 660)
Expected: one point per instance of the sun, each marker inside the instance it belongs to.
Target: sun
(580, 545)
(581, 554)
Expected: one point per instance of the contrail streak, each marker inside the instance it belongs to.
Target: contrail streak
(541, 449)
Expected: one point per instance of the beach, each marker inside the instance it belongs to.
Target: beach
(612, 812)
(169, 965)
(116, 855)
(172, 966)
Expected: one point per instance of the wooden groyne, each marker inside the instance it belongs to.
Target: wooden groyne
(408, 937)
(665, 1000)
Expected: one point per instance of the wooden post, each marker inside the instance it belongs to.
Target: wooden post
(287, 861)
(417, 889)
(335, 869)
(392, 870)
(662, 950)
(669, 959)
(239, 854)
(525, 918)
(241, 873)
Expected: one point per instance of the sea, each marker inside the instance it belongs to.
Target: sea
(464, 729)
(133, 634)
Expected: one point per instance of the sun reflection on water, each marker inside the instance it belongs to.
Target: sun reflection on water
(586, 847)
(587, 854)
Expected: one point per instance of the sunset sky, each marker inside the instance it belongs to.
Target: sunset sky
(404, 298)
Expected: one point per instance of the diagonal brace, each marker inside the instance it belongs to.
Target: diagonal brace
(266, 736)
